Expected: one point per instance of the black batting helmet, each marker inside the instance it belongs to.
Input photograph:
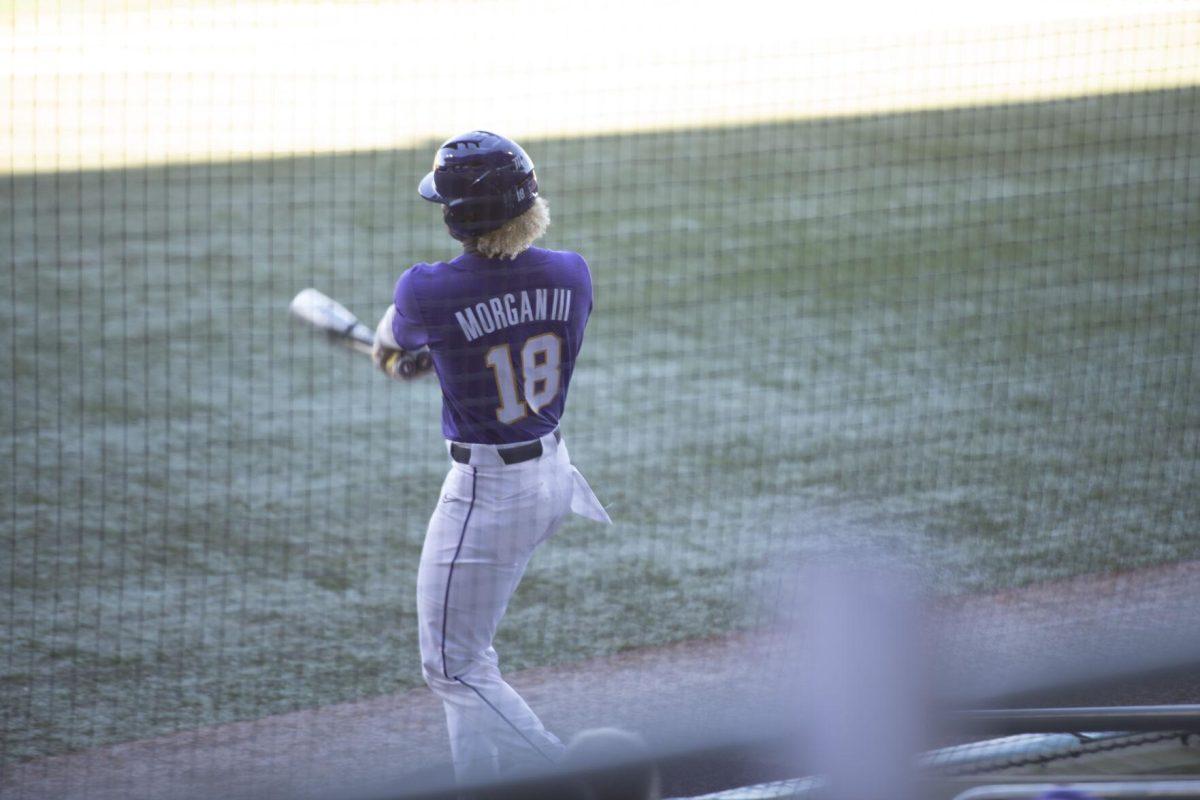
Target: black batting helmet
(482, 181)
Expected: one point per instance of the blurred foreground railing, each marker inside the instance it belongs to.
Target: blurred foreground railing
(1132, 719)
(1178, 789)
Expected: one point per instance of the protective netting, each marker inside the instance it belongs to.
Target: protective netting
(925, 282)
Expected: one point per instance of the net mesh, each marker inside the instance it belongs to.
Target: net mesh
(928, 287)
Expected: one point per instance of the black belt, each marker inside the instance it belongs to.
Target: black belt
(509, 455)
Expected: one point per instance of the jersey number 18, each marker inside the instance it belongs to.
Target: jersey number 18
(541, 369)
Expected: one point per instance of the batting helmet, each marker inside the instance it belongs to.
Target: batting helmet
(482, 181)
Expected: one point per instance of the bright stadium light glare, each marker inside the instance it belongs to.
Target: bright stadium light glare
(114, 84)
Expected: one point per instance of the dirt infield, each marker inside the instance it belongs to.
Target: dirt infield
(392, 741)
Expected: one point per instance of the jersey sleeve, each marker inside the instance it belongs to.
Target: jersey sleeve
(407, 325)
(584, 289)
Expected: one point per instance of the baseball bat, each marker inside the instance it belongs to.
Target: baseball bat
(334, 319)
(340, 325)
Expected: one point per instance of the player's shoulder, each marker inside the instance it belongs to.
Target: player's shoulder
(417, 278)
(568, 261)
(569, 257)
(420, 271)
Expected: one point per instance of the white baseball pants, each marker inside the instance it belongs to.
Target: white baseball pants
(488, 521)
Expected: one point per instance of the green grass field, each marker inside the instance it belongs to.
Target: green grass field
(966, 336)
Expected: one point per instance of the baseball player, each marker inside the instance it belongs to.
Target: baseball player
(504, 323)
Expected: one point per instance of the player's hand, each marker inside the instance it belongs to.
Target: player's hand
(394, 361)
(424, 360)
(397, 364)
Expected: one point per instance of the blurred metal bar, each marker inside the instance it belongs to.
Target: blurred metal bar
(1134, 719)
(1176, 789)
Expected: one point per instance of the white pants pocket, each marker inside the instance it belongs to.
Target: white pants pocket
(583, 499)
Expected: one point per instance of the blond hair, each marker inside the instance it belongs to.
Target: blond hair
(515, 236)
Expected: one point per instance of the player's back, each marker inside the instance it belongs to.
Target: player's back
(504, 335)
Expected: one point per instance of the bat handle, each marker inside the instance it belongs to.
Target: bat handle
(399, 365)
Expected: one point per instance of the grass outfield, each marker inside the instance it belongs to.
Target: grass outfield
(969, 336)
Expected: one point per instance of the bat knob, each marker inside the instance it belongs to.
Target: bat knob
(424, 361)
(401, 365)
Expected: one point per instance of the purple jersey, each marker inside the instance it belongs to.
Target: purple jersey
(504, 337)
